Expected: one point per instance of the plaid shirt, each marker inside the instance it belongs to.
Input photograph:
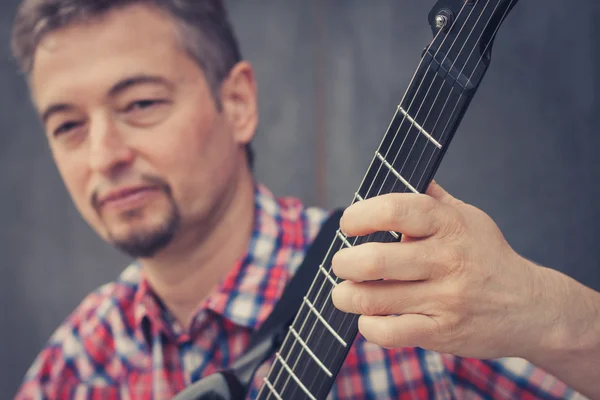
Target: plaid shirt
(121, 343)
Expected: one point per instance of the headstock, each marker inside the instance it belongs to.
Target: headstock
(467, 24)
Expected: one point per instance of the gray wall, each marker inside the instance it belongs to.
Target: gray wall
(330, 74)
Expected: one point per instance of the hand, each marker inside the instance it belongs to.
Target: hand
(452, 285)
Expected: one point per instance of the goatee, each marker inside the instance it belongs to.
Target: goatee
(147, 243)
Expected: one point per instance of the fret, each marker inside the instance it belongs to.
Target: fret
(375, 181)
(451, 97)
(310, 352)
(271, 388)
(393, 171)
(325, 348)
(419, 128)
(324, 322)
(328, 276)
(431, 102)
(344, 239)
(294, 377)
(413, 159)
(410, 152)
(395, 235)
(379, 180)
(434, 103)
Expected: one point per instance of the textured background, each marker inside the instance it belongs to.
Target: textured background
(330, 75)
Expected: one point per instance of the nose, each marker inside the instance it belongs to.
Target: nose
(109, 150)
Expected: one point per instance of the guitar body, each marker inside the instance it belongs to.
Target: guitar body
(317, 341)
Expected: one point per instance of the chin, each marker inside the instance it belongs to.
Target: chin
(144, 239)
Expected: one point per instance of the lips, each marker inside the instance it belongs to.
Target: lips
(125, 197)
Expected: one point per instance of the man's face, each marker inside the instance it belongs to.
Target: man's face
(134, 130)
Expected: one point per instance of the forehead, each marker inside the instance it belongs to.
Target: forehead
(94, 54)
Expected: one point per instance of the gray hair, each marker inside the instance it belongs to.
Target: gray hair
(204, 27)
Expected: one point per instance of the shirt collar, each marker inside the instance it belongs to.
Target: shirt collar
(249, 291)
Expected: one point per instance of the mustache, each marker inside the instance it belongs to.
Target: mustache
(149, 180)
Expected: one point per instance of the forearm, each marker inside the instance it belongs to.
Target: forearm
(569, 347)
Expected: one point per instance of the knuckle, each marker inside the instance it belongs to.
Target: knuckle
(452, 318)
(456, 228)
(449, 259)
(428, 207)
(375, 265)
(449, 300)
(427, 255)
(427, 204)
(449, 331)
(432, 334)
(455, 298)
(395, 209)
(361, 303)
(437, 329)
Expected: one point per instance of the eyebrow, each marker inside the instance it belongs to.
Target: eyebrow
(54, 109)
(136, 80)
(114, 91)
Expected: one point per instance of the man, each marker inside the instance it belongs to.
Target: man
(148, 110)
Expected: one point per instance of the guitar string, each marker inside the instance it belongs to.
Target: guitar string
(469, 79)
(401, 146)
(316, 279)
(325, 303)
(444, 107)
(387, 172)
(425, 120)
(408, 112)
(428, 143)
(299, 312)
(512, 2)
(446, 102)
(324, 279)
(462, 92)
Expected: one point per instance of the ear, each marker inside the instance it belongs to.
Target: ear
(240, 103)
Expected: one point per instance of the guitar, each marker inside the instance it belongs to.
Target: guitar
(318, 339)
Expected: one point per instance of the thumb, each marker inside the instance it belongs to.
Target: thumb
(437, 192)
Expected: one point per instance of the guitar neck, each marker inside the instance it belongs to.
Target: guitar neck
(421, 130)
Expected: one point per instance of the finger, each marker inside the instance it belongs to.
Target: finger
(406, 261)
(381, 297)
(437, 192)
(416, 215)
(394, 332)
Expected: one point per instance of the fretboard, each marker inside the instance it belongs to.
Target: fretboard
(406, 160)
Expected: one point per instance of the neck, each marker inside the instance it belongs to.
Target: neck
(184, 274)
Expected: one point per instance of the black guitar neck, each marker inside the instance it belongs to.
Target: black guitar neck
(450, 72)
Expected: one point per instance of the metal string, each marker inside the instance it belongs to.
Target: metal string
(326, 257)
(388, 173)
(377, 173)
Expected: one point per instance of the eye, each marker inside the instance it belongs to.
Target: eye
(146, 112)
(66, 127)
(142, 104)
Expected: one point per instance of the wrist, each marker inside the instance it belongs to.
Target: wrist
(570, 320)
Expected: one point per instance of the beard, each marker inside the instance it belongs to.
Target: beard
(145, 242)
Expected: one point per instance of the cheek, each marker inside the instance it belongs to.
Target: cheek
(201, 162)
(76, 178)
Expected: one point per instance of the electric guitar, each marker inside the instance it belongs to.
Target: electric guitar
(318, 339)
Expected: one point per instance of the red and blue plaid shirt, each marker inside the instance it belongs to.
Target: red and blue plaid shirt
(121, 343)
